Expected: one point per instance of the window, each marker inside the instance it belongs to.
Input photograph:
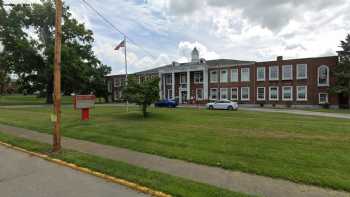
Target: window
(116, 84)
(260, 74)
(199, 94)
(223, 93)
(213, 94)
(234, 94)
(287, 72)
(301, 93)
(287, 93)
(245, 93)
(260, 94)
(223, 76)
(109, 86)
(183, 78)
(273, 73)
(323, 98)
(301, 71)
(213, 76)
(198, 77)
(273, 94)
(170, 94)
(323, 76)
(245, 75)
(168, 79)
(234, 75)
(115, 95)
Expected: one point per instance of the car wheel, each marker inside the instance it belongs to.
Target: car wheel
(211, 107)
(230, 108)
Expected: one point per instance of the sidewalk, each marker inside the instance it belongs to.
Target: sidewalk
(231, 180)
(299, 112)
(25, 175)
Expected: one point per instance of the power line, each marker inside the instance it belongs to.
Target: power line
(115, 28)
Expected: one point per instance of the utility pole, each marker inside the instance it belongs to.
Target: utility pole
(57, 79)
(126, 72)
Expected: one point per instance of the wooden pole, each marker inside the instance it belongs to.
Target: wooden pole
(57, 79)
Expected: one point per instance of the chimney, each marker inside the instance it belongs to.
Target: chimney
(279, 58)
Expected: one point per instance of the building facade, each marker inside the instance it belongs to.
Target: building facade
(291, 83)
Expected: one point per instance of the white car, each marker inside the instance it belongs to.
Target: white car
(223, 104)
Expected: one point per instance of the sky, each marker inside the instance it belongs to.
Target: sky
(162, 31)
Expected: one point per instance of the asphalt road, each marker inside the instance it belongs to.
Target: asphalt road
(25, 175)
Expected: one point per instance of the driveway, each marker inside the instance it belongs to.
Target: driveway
(25, 175)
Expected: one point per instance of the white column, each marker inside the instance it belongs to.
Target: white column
(205, 83)
(188, 85)
(160, 86)
(173, 85)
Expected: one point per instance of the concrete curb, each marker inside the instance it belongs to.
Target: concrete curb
(119, 181)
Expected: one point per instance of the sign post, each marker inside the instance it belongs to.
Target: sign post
(84, 102)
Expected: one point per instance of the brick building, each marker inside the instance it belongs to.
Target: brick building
(286, 83)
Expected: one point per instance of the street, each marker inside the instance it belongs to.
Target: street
(25, 175)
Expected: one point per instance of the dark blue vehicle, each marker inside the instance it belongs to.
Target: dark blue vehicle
(166, 103)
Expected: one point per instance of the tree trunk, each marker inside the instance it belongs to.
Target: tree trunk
(49, 92)
(144, 110)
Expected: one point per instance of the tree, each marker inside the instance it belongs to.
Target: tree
(82, 72)
(342, 70)
(143, 94)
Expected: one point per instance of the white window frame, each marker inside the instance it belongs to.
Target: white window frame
(248, 73)
(283, 72)
(318, 76)
(109, 86)
(211, 95)
(257, 94)
(291, 93)
(211, 76)
(298, 70)
(221, 93)
(237, 95)
(319, 98)
(234, 72)
(277, 77)
(168, 79)
(301, 99)
(274, 99)
(198, 77)
(257, 73)
(223, 78)
(183, 76)
(170, 93)
(245, 99)
(202, 95)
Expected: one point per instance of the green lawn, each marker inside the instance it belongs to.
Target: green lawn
(29, 100)
(155, 180)
(312, 150)
(341, 111)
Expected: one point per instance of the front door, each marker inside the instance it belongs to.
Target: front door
(183, 97)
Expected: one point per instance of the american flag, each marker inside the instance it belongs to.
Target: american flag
(122, 44)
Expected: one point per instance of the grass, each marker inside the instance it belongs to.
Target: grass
(341, 111)
(159, 181)
(28, 100)
(310, 150)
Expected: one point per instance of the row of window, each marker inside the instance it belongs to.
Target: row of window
(287, 93)
(287, 74)
(197, 78)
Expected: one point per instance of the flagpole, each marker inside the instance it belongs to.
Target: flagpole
(126, 73)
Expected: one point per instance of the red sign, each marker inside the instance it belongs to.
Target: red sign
(84, 102)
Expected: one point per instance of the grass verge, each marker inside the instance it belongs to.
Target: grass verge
(169, 184)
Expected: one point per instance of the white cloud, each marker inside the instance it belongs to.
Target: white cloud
(185, 48)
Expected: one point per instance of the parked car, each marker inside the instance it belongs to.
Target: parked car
(223, 104)
(166, 103)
